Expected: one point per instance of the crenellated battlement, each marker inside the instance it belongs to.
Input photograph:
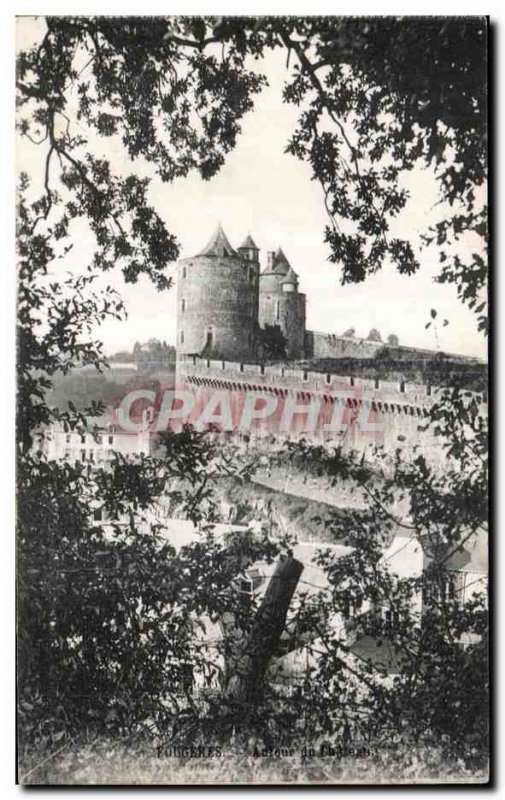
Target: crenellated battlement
(373, 412)
(389, 396)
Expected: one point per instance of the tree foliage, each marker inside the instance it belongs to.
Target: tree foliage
(440, 687)
(108, 613)
(271, 342)
(378, 98)
(398, 93)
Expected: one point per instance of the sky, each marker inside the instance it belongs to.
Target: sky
(265, 192)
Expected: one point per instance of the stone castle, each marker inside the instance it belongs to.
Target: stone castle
(224, 299)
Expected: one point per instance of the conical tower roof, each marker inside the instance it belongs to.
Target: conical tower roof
(280, 256)
(281, 264)
(291, 276)
(218, 245)
(248, 243)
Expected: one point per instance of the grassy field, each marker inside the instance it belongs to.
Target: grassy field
(82, 386)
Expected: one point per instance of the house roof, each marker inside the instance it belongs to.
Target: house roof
(248, 243)
(472, 556)
(218, 245)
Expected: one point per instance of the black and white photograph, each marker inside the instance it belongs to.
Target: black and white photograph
(252, 394)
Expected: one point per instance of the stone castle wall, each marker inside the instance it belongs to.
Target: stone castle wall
(295, 379)
(400, 408)
(331, 345)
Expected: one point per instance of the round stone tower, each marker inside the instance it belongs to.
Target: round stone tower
(217, 300)
(281, 304)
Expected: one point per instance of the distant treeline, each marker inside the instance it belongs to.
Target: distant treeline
(152, 352)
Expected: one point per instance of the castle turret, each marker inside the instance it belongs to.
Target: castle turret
(281, 304)
(281, 264)
(217, 300)
(248, 250)
(290, 281)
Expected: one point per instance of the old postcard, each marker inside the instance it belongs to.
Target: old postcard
(252, 516)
